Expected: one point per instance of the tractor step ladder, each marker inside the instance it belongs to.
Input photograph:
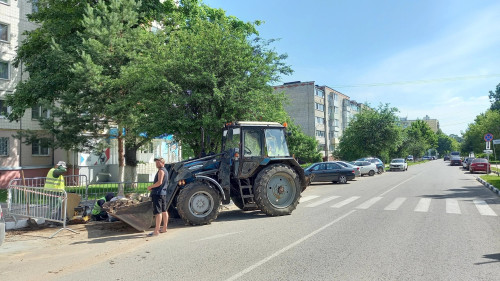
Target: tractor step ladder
(247, 196)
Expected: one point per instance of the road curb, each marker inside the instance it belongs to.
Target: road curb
(491, 187)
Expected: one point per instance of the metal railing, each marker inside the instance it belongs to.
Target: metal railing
(38, 202)
(97, 190)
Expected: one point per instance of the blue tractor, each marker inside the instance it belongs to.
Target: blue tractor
(254, 170)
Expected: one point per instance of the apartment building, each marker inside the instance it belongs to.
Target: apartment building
(404, 122)
(19, 160)
(321, 112)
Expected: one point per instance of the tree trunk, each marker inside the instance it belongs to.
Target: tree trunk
(121, 162)
(131, 161)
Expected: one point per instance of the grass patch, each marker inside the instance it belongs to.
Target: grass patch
(411, 163)
(3, 195)
(493, 180)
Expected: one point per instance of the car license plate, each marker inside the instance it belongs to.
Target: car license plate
(480, 165)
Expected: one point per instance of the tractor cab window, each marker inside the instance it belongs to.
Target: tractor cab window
(276, 143)
(231, 137)
(252, 143)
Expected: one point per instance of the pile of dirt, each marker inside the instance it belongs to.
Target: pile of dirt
(129, 200)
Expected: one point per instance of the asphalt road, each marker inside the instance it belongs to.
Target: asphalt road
(433, 222)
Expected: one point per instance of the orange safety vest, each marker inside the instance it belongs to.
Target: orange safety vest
(53, 182)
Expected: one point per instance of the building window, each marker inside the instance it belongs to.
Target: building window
(332, 147)
(4, 32)
(38, 112)
(320, 120)
(38, 149)
(335, 97)
(4, 109)
(4, 70)
(320, 107)
(34, 6)
(147, 148)
(336, 122)
(319, 93)
(4, 146)
(320, 133)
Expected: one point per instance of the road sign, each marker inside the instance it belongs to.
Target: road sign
(496, 141)
(488, 145)
(488, 151)
(488, 137)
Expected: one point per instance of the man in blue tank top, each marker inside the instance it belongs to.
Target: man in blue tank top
(159, 197)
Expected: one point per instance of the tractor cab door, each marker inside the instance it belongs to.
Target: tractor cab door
(252, 154)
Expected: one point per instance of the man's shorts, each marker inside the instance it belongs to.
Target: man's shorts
(159, 203)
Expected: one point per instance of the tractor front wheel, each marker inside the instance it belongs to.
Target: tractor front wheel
(198, 203)
(277, 190)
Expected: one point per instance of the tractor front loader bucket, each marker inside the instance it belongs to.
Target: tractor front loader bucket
(139, 216)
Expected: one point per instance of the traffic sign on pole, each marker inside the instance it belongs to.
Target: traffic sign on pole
(496, 141)
(488, 137)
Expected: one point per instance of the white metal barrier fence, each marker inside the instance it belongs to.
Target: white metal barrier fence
(73, 184)
(38, 202)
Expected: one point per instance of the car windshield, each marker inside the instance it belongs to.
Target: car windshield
(398, 161)
(480, 160)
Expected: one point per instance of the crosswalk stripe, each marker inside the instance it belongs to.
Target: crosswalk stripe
(369, 203)
(483, 208)
(423, 205)
(307, 198)
(322, 201)
(395, 204)
(345, 202)
(452, 206)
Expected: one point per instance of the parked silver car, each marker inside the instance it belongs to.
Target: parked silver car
(357, 170)
(398, 164)
(2, 226)
(366, 168)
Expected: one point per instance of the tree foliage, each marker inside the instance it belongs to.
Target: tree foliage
(473, 138)
(446, 144)
(418, 138)
(302, 146)
(372, 132)
(495, 99)
(96, 64)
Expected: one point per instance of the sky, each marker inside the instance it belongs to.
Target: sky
(428, 57)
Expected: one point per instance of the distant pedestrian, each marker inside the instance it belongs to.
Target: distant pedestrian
(159, 197)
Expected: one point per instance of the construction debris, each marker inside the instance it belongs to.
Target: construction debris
(131, 199)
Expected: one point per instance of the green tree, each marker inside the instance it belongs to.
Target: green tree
(446, 144)
(302, 146)
(473, 138)
(419, 137)
(372, 132)
(495, 99)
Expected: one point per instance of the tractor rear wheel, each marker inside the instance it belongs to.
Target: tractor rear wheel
(198, 203)
(277, 190)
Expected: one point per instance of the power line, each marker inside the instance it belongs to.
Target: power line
(426, 81)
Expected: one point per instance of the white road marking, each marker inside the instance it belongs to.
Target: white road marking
(369, 203)
(395, 204)
(322, 201)
(484, 209)
(390, 189)
(279, 252)
(217, 236)
(345, 202)
(452, 206)
(307, 198)
(423, 205)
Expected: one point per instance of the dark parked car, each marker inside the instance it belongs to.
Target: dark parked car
(480, 164)
(380, 165)
(329, 171)
(446, 158)
(455, 160)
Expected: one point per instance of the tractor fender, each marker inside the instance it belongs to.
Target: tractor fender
(214, 182)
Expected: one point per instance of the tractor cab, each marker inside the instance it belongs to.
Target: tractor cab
(251, 144)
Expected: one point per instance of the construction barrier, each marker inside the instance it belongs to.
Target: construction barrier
(38, 202)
